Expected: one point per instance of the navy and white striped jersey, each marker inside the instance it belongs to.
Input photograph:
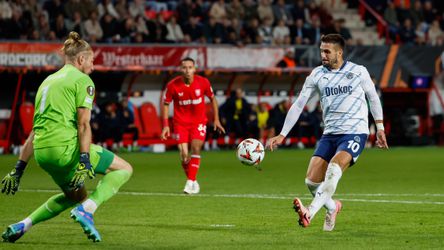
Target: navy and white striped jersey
(342, 93)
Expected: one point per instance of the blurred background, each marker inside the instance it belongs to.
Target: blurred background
(259, 52)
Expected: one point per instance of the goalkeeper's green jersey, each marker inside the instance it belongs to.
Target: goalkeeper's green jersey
(56, 103)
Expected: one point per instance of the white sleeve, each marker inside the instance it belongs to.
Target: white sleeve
(297, 107)
(373, 98)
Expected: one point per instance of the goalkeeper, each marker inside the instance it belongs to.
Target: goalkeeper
(61, 143)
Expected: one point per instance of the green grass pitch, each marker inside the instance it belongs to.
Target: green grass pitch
(392, 200)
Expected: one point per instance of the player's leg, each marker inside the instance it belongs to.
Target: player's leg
(315, 176)
(116, 173)
(184, 157)
(197, 136)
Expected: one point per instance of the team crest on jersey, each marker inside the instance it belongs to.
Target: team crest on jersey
(90, 90)
(197, 91)
(349, 76)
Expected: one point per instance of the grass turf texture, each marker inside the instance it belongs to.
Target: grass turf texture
(386, 198)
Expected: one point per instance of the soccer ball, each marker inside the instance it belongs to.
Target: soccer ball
(250, 152)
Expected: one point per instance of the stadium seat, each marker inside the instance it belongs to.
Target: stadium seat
(150, 120)
(26, 116)
(3, 129)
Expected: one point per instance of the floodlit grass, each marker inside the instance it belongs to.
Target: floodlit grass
(392, 199)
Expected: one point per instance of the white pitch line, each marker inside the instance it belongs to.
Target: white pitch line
(274, 197)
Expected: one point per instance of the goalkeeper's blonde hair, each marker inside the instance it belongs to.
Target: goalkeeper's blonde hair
(74, 45)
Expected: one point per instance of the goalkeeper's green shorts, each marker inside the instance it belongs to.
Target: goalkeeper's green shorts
(61, 162)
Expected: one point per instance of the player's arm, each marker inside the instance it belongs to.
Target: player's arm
(217, 124)
(11, 182)
(293, 114)
(166, 127)
(375, 108)
(84, 100)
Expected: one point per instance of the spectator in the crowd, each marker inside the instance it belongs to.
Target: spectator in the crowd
(251, 31)
(109, 27)
(403, 11)
(236, 24)
(250, 10)
(53, 8)
(429, 12)
(288, 60)
(121, 8)
(175, 33)
(252, 130)
(421, 34)
(228, 33)
(184, 11)
(59, 27)
(280, 12)
(262, 119)
(72, 6)
(280, 31)
(218, 11)
(14, 27)
(128, 123)
(112, 126)
(93, 30)
(128, 30)
(407, 32)
(235, 113)
(213, 31)
(304, 127)
(76, 23)
(141, 27)
(5, 10)
(160, 29)
(300, 34)
(316, 31)
(137, 7)
(87, 7)
(193, 30)
(106, 6)
(416, 13)
(299, 11)
(43, 27)
(95, 125)
(434, 33)
(235, 10)
(391, 16)
(266, 31)
(277, 117)
(264, 10)
(338, 27)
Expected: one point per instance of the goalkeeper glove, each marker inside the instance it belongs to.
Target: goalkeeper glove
(11, 181)
(83, 170)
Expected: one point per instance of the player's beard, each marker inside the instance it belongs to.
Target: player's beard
(329, 63)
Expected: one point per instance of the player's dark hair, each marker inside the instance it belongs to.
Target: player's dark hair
(188, 59)
(334, 39)
(74, 45)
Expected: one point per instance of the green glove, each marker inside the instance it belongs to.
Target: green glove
(11, 181)
(83, 170)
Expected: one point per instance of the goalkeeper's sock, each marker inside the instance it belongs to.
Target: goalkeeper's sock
(109, 186)
(330, 204)
(89, 206)
(185, 166)
(193, 167)
(51, 208)
(327, 188)
(28, 224)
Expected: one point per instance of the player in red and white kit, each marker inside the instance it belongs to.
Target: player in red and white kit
(188, 93)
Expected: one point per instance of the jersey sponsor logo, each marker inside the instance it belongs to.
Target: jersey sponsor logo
(180, 93)
(90, 90)
(339, 90)
(197, 91)
(189, 101)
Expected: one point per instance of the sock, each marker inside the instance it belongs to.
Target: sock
(90, 206)
(51, 208)
(193, 167)
(327, 188)
(330, 204)
(109, 186)
(28, 223)
(185, 166)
